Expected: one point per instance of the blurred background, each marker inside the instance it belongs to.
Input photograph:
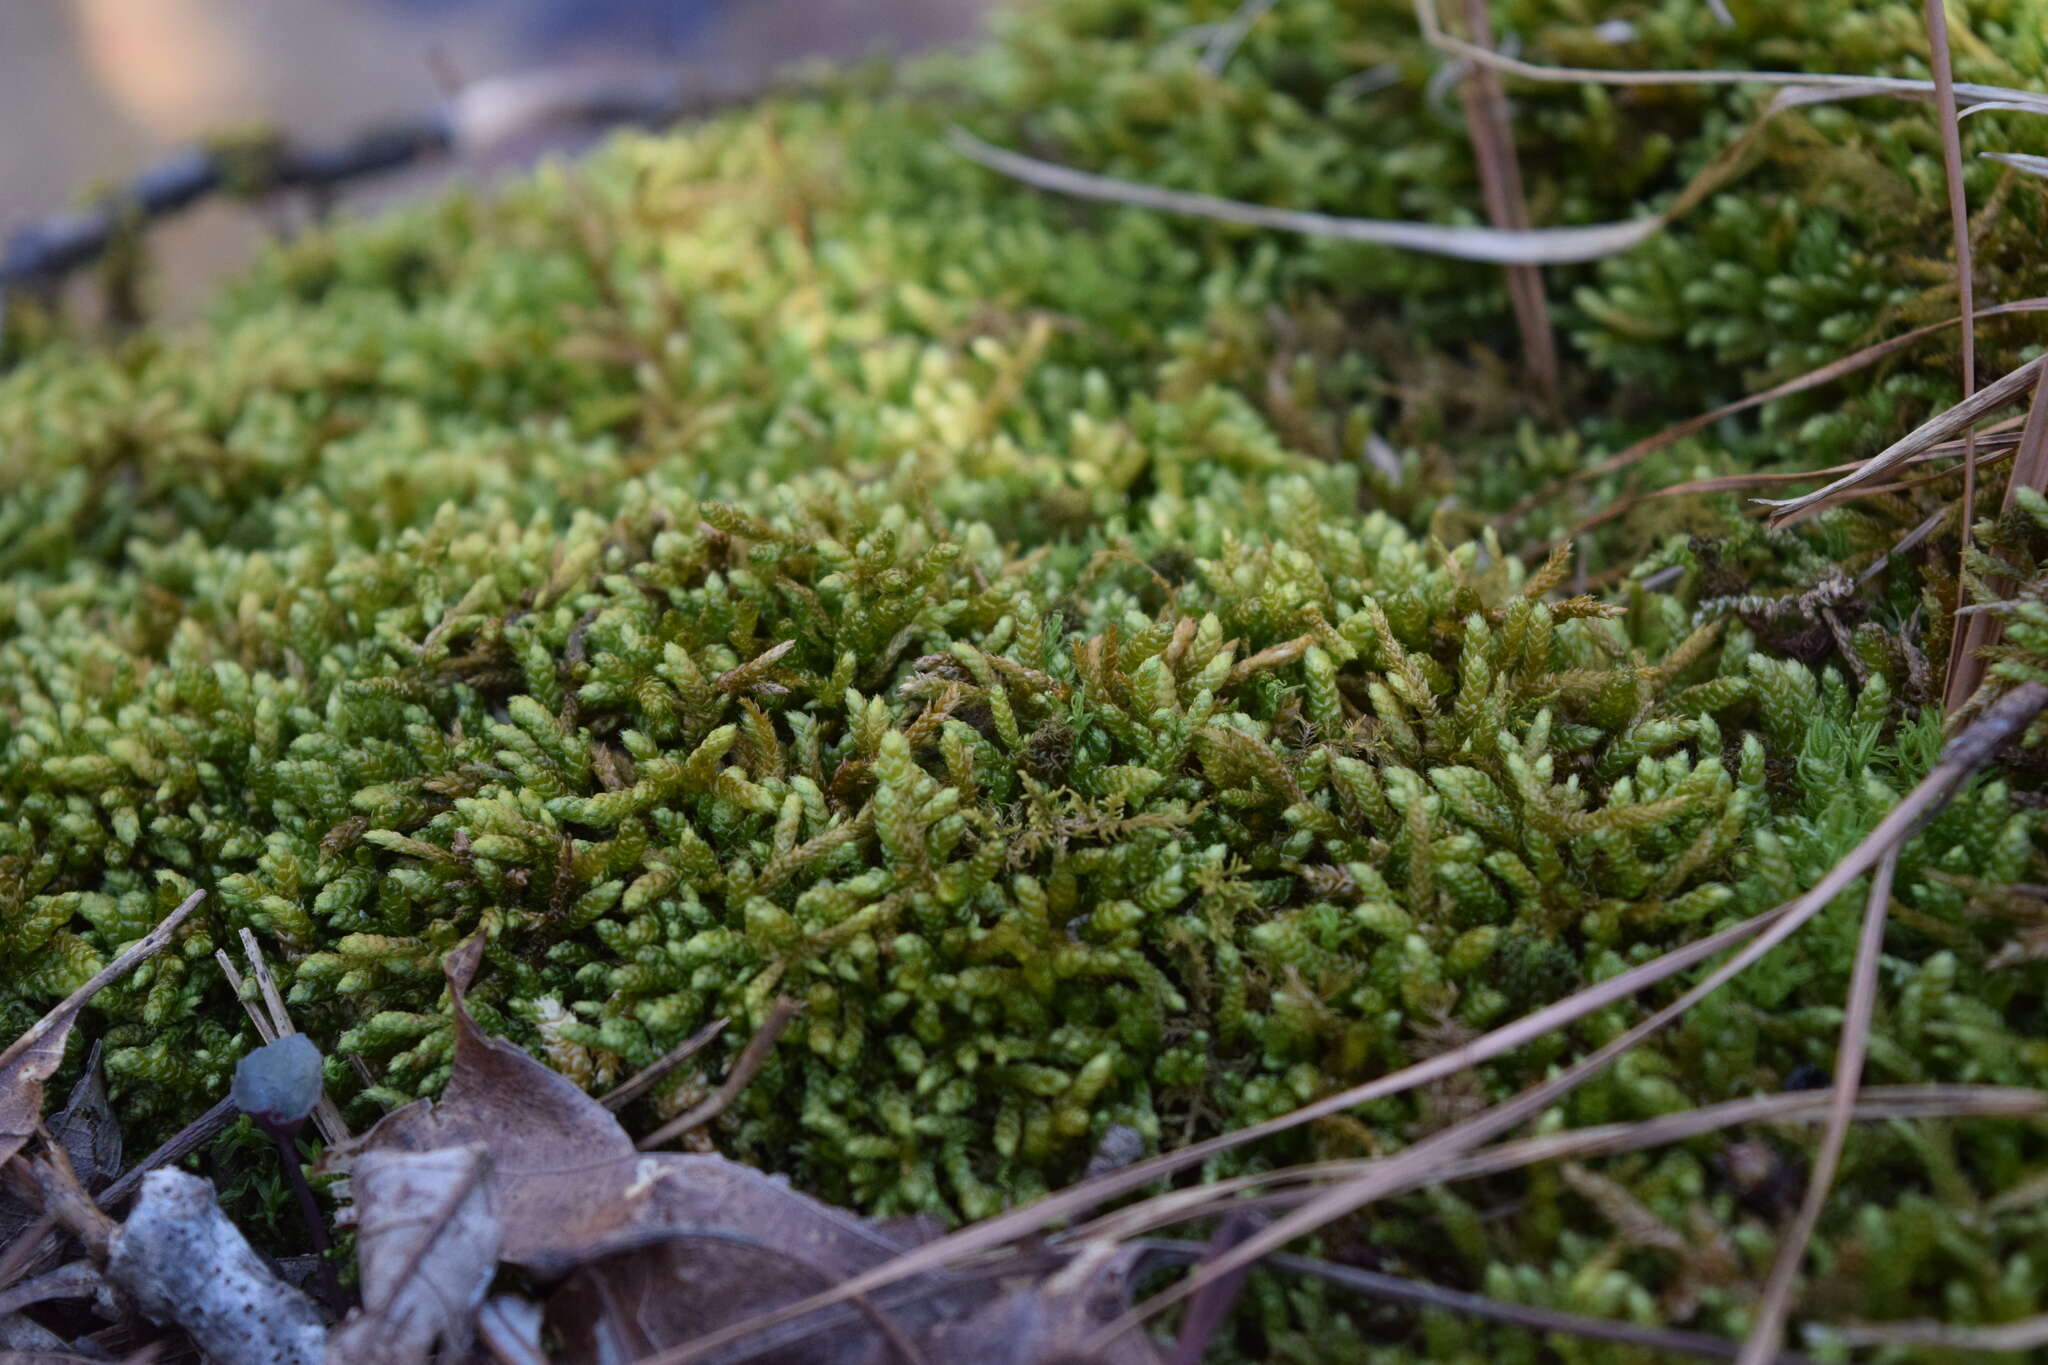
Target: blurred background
(91, 91)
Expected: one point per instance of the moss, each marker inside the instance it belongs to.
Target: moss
(780, 558)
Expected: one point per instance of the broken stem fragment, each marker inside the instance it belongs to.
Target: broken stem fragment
(743, 1071)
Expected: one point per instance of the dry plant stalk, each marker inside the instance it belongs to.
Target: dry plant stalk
(1500, 184)
(1292, 1185)
(1936, 429)
(1964, 672)
(2026, 1334)
(1668, 1341)
(649, 1076)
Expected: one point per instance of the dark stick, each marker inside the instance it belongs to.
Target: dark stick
(752, 1059)
(650, 1075)
(182, 1144)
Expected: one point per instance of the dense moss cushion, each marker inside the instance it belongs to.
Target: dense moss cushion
(1054, 644)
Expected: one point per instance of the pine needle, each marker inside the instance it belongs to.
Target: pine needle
(1849, 1054)
(1964, 670)
(1500, 185)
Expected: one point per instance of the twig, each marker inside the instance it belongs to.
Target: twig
(1960, 683)
(181, 1144)
(1480, 1306)
(752, 1059)
(649, 1076)
(1500, 186)
(1769, 1323)
(146, 946)
(273, 998)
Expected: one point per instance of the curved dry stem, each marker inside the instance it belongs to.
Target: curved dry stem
(2027, 1334)
(1490, 245)
(1929, 433)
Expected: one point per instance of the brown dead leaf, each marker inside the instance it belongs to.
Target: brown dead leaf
(29, 1060)
(21, 1086)
(704, 1242)
(88, 1130)
(558, 1159)
(1054, 1322)
(427, 1241)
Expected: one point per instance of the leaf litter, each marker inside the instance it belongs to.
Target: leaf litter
(515, 1171)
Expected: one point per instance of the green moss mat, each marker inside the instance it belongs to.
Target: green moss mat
(784, 558)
